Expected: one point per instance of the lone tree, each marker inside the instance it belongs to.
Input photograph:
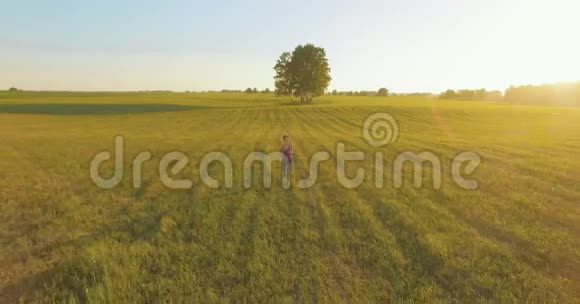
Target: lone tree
(383, 92)
(303, 74)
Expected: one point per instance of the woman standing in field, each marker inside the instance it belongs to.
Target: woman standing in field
(287, 150)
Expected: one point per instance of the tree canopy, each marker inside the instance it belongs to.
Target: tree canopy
(383, 92)
(303, 74)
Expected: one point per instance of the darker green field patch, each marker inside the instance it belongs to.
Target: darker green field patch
(79, 109)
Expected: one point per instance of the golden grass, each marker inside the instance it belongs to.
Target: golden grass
(64, 239)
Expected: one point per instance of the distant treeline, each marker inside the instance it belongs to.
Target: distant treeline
(567, 94)
(248, 91)
(379, 92)
(558, 94)
(481, 94)
(357, 93)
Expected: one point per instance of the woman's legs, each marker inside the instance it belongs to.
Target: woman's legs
(285, 172)
(285, 167)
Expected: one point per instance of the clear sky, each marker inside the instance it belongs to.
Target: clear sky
(406, 46)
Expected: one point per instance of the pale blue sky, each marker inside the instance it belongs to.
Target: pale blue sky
(405, 46)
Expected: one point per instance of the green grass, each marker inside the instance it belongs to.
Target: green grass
(91, 109)
(65, 240)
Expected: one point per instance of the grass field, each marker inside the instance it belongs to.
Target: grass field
(517, 237)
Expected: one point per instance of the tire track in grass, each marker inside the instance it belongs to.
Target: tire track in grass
(308, 227)
(297, 209)
(256, 252)
(507, 213)
(347, 214)
(434, 277)
(469, 225)
(529, 262)
(411, 240)
(210, 219)
(411, 252)
(360, 284)
(232, 222)
(442, 282)
(303, 218)
(300, 252)
(249, 207)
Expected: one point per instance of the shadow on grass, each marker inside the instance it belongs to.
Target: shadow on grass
(78, 109)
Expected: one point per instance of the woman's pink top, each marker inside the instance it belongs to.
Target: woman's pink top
(288, 150)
